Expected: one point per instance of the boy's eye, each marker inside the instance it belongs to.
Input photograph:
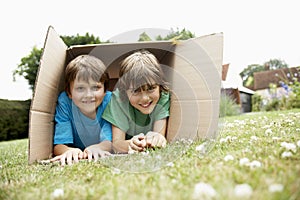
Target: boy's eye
(96, 87)
(136, 91)
(80, 89)
(152, 88)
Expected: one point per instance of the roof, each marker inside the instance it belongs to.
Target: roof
(245, 90)
(230, 79)
(262, 80)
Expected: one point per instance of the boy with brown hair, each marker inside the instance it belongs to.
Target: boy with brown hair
(139, 107)
(80, 131)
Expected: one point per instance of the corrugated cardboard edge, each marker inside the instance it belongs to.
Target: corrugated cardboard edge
(42, 107)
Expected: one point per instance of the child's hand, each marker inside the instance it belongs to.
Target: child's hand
(137, 142)
(155, 139)
(73, 154)
(94, 151)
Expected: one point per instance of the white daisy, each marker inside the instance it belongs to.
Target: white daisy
(275, 188)
(228, 157)
(243, 190)
(57, 193)
(204, 191)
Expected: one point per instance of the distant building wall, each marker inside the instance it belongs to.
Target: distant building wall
(241, 98)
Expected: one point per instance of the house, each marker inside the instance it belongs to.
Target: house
(274, 83)
(232, 85)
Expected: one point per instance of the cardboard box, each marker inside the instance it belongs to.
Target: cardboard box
(193, 68)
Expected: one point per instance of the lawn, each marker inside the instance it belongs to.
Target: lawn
(256, 156)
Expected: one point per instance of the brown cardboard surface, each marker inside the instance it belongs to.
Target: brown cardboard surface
(43, 103)
(50, 73)
(193, 68)
(40, 144)
(194, 119)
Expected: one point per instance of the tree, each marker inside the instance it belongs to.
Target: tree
(182, 35)
(144, 37)
(247, 73)
(29, 65)
(275, 64)
(173, 36)
(81, 40)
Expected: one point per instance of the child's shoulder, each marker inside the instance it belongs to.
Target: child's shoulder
(63, 94)
(165, 94)
(63, 97)
(107, 97)
(64, 100)
(108, 94)
(164, 98)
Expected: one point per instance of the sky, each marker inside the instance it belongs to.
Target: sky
(254, 31)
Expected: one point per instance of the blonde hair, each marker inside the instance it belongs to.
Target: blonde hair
(84, 67)
(139, 69)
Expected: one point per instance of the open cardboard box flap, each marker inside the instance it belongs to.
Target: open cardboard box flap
(192, 67)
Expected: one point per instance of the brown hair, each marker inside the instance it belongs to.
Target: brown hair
(85, 67)
(139, 69)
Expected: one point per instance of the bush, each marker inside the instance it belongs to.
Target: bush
(256, 102)
(294, 97)
(273, 105)
(228, 107)
(14, 119)
(284, 103)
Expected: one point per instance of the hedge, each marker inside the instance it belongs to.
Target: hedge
(14, 118)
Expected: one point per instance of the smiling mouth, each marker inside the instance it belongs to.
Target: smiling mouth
(88, 102)
(146, 105)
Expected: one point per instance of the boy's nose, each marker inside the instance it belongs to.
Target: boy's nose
(89, 93)
(145, 95)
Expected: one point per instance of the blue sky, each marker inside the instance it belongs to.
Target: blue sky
(254, 31)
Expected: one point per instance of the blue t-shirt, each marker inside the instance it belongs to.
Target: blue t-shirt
(73, 128)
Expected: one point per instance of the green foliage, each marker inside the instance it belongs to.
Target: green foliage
(144, 37)
(275, 64)
(14, 119)
(256, 100)
(159, 38)
(294, 97)
(182, 35)
(29, 65)
(248, 72)
(296, 87)
(273, 105)
(81, 39)
(228, 107)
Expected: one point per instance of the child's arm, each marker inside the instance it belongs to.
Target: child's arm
(64, 153)
(160, 126)
(120, 145)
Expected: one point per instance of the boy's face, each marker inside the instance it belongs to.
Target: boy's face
(144, 98)
(87, 96)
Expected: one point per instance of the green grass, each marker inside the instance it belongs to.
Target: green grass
(171, 173)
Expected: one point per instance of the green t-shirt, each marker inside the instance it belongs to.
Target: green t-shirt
(130, 120)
